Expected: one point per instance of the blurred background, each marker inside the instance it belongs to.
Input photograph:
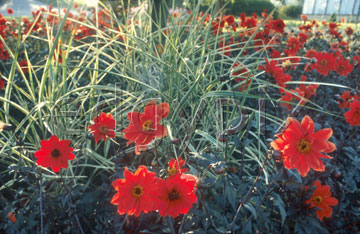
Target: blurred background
(287, 9)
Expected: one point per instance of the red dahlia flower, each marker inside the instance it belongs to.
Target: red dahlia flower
(292, 46)
(276, 72)
(144, 127)
(333, 26)
(349, 31)
(301, 147)
(322, 200)
(10, 11)
(103, 126)
(343, 67)
(353, 115)
(271, 67)
(54, 153)
(175, 166)
(175, 195)
(135, 192)
(278, 26)
(346, 98)
(325, 62)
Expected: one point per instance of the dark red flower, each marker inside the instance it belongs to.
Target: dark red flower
(346, 98)
(144, 127)
(10, 11)
(349, 31)
(54, 153)
(2, 84)
(333, 26)
(135, 193)
(301, 147)
(278, 26)
(303, 37)
(292, 46)
(343, 67)
(175, 195)
(103, 127)
(250, 23)
(353, 115)
(276, 72)
(322, 199)
(24, 66)
(271, 67)
(325, 62)
(275, 53)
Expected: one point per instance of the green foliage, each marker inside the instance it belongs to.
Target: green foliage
(290, 12)
(332, 18)
(2, 2)
(249, 6)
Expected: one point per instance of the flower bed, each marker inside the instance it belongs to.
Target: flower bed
(211, 124)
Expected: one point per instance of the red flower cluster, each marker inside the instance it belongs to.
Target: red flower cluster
(301, 147)
(103, 127)
(353, 115)
(346, 98)
(276, 72)
(322, 199)
(54, 153)
(142, 192)
(226, 21)
(144, 127)
(303, 92)
(326, 62)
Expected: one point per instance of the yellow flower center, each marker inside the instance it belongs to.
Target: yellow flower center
(303, 146)
(137, 191)
(147, 125)
(172, 171)
(317, 200)
(173, 195)
(55, 153)
(287, 64)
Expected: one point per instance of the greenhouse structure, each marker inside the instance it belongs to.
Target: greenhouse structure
(348, 8)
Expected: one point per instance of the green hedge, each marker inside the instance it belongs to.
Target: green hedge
(292, 11)
(249, 7)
